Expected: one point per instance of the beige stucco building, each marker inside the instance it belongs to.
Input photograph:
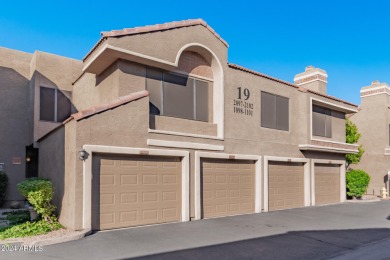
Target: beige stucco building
(163, 128)
(373, 122)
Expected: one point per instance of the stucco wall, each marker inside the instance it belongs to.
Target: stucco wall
(155, 44)
(241, 129)
(52, 163)
(14, 97)
(373, 124)
(46, 73)
(119, 79)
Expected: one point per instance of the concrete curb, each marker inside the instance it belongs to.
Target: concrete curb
(363, 201)
(59, 240)
(48, 241)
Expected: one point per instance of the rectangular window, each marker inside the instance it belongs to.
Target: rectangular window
(177, 95)
(322, 121)
(54, 105)
(47, 104)
(274, 111)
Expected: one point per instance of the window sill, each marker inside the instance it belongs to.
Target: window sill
(330, 146)
(180, 126)
(184, 134)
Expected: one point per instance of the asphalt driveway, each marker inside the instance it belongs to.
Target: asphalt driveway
(341, 230)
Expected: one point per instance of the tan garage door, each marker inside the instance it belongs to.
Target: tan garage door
(132, 191)
(327, 184)
(285, 185)
(228, 187)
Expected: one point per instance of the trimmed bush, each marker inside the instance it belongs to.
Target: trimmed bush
(3, 187)
(357, 183)
(39, 193)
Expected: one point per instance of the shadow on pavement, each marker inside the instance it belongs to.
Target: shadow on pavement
(291, 245)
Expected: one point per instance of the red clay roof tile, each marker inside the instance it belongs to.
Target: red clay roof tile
(237, 67)
(104, 107)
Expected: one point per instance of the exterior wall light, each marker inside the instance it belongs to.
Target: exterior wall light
(83, 155)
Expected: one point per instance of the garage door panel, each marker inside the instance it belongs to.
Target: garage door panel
(285, 185)
(134, 190)
(327, 184)
(227, 187)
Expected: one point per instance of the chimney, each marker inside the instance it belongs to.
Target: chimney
(375, 88)
(313, 78)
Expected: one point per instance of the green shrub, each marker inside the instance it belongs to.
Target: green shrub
(357, 183)
(29, 229)
(3, 187)
(39, 193)
(17, 216)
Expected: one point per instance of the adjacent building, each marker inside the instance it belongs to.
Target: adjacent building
(155, 125)
(373, 122)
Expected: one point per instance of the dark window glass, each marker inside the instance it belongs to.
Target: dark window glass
(63, 107)
(202, 100)
(47, 103)
(282, 112)
(274, 111)
(268, 110)
(322, 121)
(178, 96)
(154, 86)
(319, 122)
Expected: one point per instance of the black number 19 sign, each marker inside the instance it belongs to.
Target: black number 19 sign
(240, 106)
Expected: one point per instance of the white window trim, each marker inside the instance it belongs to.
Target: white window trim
(200, 155)
(342, 178)
(87, 176)
(335, 107)
(306, 173)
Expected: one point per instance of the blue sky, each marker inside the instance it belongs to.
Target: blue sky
(349, 39)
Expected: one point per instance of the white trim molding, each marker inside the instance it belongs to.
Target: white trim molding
(383, 86)
(315, 73)
(331, 105)
(155, 131)
(342, 178)
(87, 175)
(200, 155)
(310, 81)
(306, 173)
(125, 51)
(188, 145)
(326, 149)
(333, 142)
(387, 151)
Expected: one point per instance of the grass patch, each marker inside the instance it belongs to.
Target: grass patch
(27, 229)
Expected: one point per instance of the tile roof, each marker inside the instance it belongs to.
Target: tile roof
(302, 89)
(238, 67)
(104, 107)
(154, 28)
